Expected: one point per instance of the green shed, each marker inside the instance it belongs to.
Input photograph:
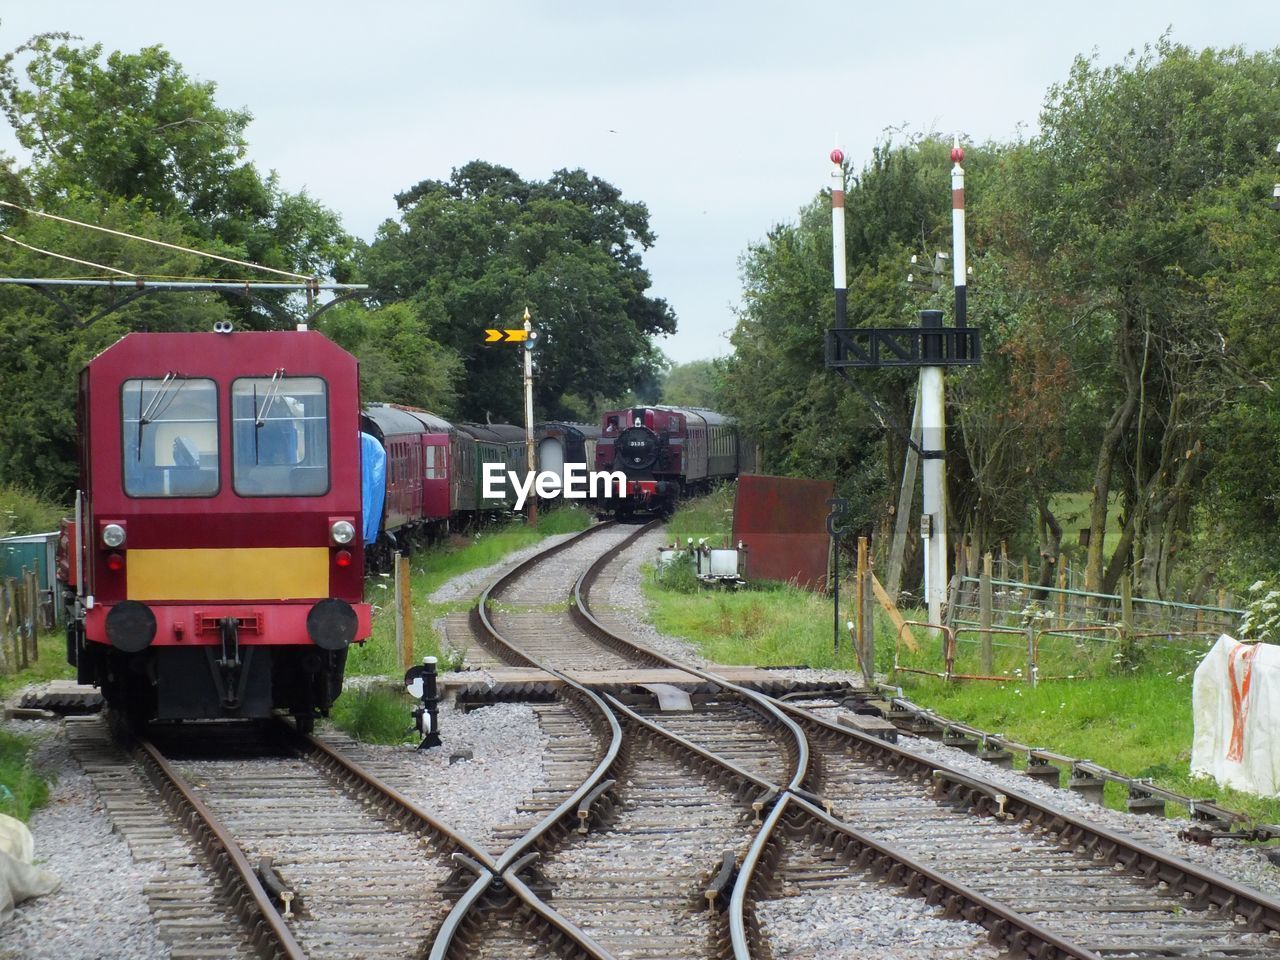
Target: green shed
(36, 551)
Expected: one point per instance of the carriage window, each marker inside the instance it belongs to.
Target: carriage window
(280, 436)
(170, 436)
(435, 463)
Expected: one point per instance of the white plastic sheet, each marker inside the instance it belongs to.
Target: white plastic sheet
(1235, 702)
(19, 880)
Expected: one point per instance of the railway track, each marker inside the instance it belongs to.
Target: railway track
(291, 849)
(1071, 888)
(676, 834)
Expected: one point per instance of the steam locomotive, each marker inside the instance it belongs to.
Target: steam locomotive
(667, 453)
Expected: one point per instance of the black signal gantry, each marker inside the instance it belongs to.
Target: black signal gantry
(928, 345)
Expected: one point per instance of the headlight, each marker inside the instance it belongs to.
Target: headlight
(113, 535)
(342, 531)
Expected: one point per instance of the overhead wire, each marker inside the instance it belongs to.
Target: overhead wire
(158, 243)
(62, 256)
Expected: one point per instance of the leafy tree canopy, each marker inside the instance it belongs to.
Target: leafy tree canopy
(134, 126)
(472, 252)
(694, 384)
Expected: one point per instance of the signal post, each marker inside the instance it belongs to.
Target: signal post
(529, 340)
(931, 347)
(528, 337)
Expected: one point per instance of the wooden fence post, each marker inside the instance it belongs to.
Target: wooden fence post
(4, 629)
(868, 620)
(11, 623)
(859, 622)
(984, 616)
(1063, 577)
(1126, 619)
(404, 613)
(17, 601)
(33, 614)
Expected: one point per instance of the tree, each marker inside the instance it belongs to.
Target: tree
(472, 252)
(693, 384)
(1112, 203)
(132, 144)
(47, 339)
(136, 127)
(399, 362)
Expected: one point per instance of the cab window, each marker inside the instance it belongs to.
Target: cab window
(280, 436)
(170, 435)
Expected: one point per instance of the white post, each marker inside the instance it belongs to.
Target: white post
(837, 236)
(958, 268)
(933, 430)
(528, 413)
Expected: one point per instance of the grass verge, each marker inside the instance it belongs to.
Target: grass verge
(1138, 724)
(52, 665)
(22, 790)
(366, 716)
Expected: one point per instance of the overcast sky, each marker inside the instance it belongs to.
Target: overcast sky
(719, 116)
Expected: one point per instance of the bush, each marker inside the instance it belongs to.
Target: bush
(1261, 620)
(23, 512)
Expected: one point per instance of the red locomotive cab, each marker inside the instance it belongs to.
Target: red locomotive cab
(222, 518)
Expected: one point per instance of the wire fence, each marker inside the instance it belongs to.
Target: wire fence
(1013, 630)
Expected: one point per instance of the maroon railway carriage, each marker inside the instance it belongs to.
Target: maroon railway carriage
(665, 453)
(423, 481)
(219, 524)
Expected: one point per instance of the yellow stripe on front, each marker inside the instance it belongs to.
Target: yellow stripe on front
(238, 573)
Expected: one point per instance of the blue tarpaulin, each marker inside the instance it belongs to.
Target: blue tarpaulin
(373, 484)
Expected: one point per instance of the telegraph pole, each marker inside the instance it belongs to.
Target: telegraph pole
(528, 412)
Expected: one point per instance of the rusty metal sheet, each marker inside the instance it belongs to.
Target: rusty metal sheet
(783, 523)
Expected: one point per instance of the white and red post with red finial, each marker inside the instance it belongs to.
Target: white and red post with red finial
(959, 270)
(837, 236)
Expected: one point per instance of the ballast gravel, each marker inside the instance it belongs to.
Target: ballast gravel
(869, 923)
(489, 762)
(469, 585)
(1245, 864)
(101, 911)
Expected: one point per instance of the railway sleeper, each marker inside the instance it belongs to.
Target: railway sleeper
(719, 888)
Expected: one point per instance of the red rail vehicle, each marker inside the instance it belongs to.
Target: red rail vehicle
(667, 453)
(218, 524)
